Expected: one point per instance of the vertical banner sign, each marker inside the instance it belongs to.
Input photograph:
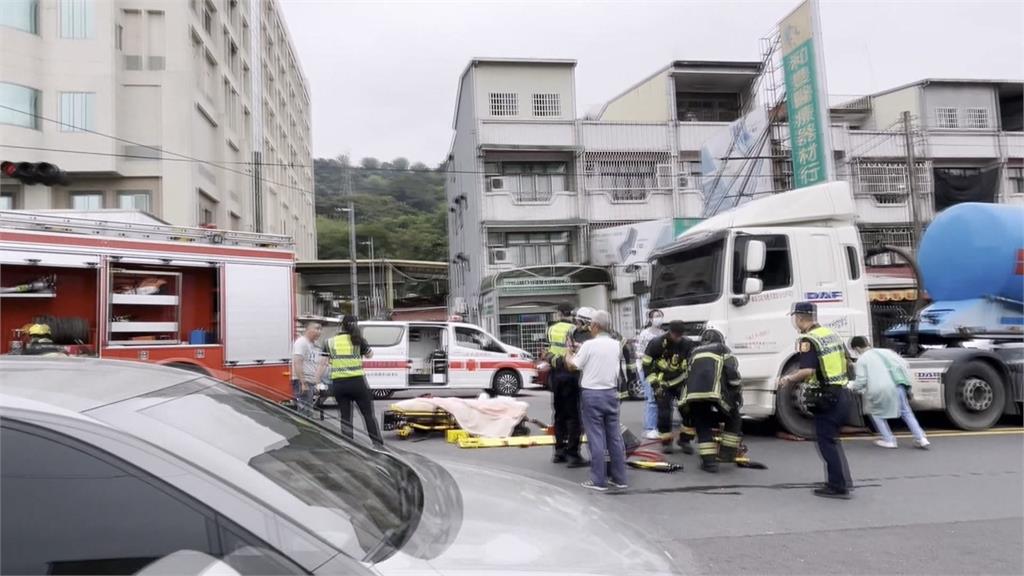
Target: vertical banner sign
(806, 96)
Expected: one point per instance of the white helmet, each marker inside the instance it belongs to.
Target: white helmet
(585, 314)
(712, 334)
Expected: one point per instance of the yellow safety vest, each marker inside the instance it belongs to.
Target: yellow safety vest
(346, 359)
(831, 356)
(558, 335)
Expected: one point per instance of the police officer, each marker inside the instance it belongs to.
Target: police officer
(565, 392)
(665, 364)
(346, 352)
(823, 365)
(712, 395)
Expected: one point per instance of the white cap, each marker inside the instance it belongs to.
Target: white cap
(585, 313)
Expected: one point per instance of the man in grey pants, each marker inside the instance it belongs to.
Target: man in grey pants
(598, 362)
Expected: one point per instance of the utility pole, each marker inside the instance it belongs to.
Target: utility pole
(915, 217)
(374, 307)
(353, 268)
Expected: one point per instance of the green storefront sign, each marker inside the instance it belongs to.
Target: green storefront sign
(805, 84)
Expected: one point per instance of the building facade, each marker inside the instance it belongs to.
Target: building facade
(196, 111)
(530, 185)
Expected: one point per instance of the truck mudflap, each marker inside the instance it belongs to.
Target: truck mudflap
(928, 387)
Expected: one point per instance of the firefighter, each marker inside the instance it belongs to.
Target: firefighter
(627, 365)
(565, 392)
(665, 364)
(40, 342)
(712, 395)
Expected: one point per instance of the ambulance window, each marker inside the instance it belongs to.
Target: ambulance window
(382, 336)
(476, 340)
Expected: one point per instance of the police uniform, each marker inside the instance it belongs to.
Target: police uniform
(823, 351)
(565, 393)
(665, 363)
(712, 395)
(348, 383)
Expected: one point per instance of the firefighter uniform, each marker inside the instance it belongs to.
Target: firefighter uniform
(627, 365)
(565, 393)
(712, 396)
(665, 363)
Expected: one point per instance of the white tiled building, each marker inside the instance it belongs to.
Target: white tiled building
(171, 103)
(528, 181)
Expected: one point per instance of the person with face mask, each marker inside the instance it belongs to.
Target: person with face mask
(653, 330)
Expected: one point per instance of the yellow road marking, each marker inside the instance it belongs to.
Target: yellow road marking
(949, 434)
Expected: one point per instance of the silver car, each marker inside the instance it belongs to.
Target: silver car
(123, 467)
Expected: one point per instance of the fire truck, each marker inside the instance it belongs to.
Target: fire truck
(216, 302)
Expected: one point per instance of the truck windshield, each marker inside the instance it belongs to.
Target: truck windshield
(690, 276)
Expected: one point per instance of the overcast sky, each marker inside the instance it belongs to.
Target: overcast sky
(384, 74)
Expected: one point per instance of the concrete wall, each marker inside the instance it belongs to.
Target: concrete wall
(647, 102)
(888, 108)
(464, 230)
(961, 97)
(525, 80)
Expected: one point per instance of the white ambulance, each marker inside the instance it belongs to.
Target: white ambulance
(433, 356)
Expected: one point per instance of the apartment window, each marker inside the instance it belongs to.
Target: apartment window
(155, 40)
(210, 78)
(77, 111)
(76, 19)
(976, 118)
(25, 102)
(504, 104)
(1016, 179)
(946, 118)
(627, 178)
(529, 248)
(546, 105)
(21, 14)
(707, 106)
(886, 182)
(207, 209)
(527, 181)
(87, 201)
(133, 200)
(9, 196)
(132, 39)
(208, 11)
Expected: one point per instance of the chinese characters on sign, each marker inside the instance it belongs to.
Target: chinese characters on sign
(811, 149)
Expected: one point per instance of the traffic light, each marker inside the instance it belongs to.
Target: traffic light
(30, 173)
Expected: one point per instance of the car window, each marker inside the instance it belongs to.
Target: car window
(71, 508)
(476, 340)
(382, 336)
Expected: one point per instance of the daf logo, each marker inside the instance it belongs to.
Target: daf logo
(827, 296)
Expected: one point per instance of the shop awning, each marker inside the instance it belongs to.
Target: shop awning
(560, 278)
(908, 295)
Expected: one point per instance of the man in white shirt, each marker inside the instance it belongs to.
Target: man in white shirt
(598, 362)
(307, 367)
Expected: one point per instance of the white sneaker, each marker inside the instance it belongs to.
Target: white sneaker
(923, 444)
(652, 435)
(617, 486)
(884, 444)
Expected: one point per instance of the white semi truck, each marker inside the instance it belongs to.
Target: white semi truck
(743, 269)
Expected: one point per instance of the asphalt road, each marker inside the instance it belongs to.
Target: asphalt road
(955, 509)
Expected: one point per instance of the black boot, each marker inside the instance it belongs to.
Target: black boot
(578, 462)
(685, 445)
(709, 465)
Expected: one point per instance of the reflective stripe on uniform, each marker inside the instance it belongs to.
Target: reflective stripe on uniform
(831, 356)
(558, 336)
(730, 440)
(707, 448)
(346, 360)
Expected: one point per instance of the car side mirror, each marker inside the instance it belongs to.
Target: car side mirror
(755, 257)
(752, 286)
(188, 562)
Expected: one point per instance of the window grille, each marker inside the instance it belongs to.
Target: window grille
(545, 105)
(504, 104)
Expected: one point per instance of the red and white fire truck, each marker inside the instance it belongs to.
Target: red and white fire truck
(213, 301)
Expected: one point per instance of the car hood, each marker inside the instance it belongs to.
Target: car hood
(513, 524)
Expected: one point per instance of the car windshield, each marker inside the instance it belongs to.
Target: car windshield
(379, 497)
(691, 276)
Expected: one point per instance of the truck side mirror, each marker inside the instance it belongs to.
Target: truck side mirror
(756, 253)
(752, 286)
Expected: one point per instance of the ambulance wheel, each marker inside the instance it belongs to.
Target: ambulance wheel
(383, 394)
(507, 383)
(791, 409)
(975, 395)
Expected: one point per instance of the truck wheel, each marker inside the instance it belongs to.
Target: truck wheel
(975, 395)
(791, 410)
(383, 394)
(507, 383)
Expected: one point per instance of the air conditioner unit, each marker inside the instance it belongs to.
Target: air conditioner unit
(684, 181)
(496, 183)
(500, 256)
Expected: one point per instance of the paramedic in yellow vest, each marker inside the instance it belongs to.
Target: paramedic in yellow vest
(346, 352)
(823, 365)
(565, 391)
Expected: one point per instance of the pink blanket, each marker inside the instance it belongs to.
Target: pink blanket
(489, 418)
